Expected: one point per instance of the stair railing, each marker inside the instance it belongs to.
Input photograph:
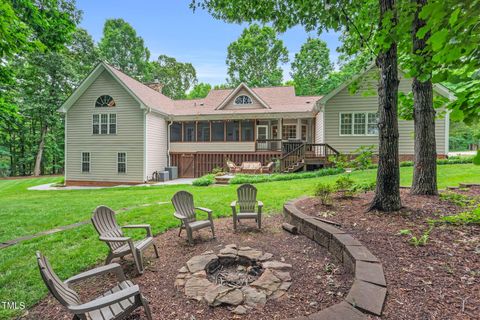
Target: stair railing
(292, 158)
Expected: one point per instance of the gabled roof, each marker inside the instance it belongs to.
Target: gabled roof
(236, 91)
(272, 99)
(437, 87)
(278, 100)
(144, 95)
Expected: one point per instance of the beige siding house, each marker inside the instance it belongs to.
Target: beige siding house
(120, 131)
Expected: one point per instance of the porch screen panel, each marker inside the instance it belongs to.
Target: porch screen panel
(189, 132)
(203, 131)
(232, 130)
(176, 132)
(247, 130)
(218, 131)
(289, 132)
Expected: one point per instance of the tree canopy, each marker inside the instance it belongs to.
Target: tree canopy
(255, 58)
(176, 77)
(200, 90)
(123, 49)
(311, 67)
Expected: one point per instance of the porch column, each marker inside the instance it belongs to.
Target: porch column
(280, 128)
(299, 129)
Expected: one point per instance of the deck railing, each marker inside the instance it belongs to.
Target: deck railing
(268, 145)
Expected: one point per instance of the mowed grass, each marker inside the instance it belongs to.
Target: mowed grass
(24, 212)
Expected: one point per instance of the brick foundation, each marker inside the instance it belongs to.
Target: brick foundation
(79, 183)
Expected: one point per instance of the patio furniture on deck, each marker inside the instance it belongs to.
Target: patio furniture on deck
(232, 167)
(116, 303)
(252, 167)
(268, 168)
(247, 201)
(111, 233)
(185, 210)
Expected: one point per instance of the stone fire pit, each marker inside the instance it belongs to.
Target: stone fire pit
(237, 276)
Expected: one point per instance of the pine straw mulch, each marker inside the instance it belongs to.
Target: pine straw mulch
(440, 280)
(318, 280)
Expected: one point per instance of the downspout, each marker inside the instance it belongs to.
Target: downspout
(168, 142)
(145, 144)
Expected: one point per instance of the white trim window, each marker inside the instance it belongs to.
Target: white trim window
(104, 123)
(358, 124)
(112, 123)
(96, 124)
(243, 99)
(122, 162)
(85, 162)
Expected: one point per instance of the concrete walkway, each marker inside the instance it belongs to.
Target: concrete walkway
(51, 186)
(8, 243)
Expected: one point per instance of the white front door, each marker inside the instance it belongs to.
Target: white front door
(262, 134)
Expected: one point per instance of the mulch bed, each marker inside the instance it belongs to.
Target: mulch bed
(440, 280)
(318, 280)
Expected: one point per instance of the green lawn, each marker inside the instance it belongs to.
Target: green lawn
(24, 212)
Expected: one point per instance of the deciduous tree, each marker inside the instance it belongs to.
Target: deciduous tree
(311, 68)
(176, 77)
(123, 48)
(255, 58)
(200, 90)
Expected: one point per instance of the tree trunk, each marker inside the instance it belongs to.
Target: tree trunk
(387, 193)
(425, 168)
(41, 146)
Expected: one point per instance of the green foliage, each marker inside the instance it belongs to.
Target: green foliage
(339, 161)
(363, 158)
(200, 90)
(461, 135)
(364, 186)
(204, 181)
(249, 178)
(345, 185)
(467, 217)
(476, 159)
(420, 240)
(218, 171)
(457, 199)
(311, 67)
(123, 49)
(324, 192)
(176, 77)
(255, 58)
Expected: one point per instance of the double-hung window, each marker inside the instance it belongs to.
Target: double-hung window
(85, 162)
(104, 123)
(358, 124)
(122, 162)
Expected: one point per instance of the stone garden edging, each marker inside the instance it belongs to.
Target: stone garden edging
(368, 291)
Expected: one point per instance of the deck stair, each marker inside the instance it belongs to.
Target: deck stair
(307, 154)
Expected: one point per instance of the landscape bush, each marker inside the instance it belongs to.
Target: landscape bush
(476, 159)
(249, 178)
(345, 186)
(324, 192)
(204, 181)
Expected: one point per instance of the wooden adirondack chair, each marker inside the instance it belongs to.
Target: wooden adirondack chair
(185, 211)
(247, 200)
(116, 303)
(111, 233)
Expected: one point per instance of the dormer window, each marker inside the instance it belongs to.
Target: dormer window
(105, 101)
(243, 99)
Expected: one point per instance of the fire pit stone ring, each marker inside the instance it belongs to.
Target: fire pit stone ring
(237, 276)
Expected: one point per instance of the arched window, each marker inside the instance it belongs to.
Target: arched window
(243, 99)
(104, 101)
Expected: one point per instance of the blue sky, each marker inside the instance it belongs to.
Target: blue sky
(170, 27)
